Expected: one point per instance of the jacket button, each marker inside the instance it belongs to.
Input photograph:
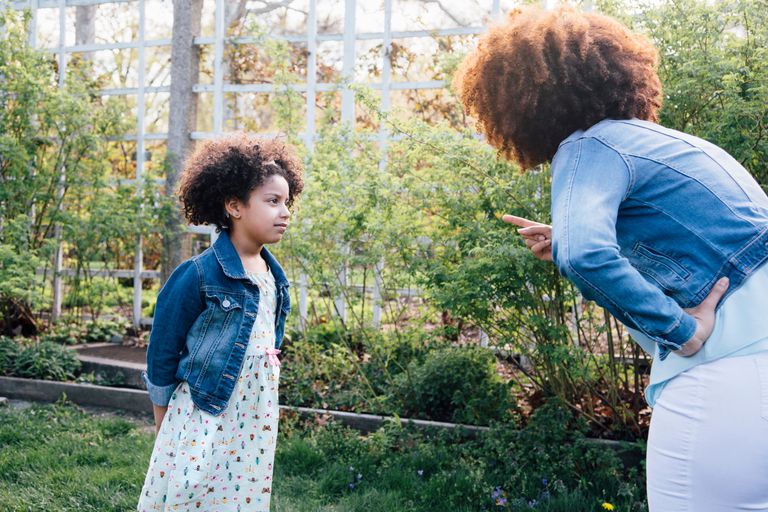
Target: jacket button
(226, 303)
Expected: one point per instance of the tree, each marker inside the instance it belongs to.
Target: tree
(182, 118)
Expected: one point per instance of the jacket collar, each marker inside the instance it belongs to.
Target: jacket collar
(232, 265)
(578, 133)
(573, 136)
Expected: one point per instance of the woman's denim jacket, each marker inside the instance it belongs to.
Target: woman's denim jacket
(646, 219)
(202, 324)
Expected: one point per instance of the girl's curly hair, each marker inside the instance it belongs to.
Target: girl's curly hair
(542, 74)
(231, 167)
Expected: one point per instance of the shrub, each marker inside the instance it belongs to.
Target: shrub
(102, 331)
(65, 334)
(318, 368)
(9, 351)
(552, 463)
(46, 360)
(97, 331)
(454, 384)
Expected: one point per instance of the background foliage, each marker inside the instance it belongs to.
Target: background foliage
(419, 216)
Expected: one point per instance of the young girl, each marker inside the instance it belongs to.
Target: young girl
(212, 367)
(665, 230)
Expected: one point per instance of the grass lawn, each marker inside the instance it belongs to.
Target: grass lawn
(59, 458)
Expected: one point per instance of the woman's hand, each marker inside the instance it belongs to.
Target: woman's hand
(704, 314)
(538, 236)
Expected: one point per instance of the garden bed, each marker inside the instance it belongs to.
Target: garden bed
(409, 373)
(120, 364)
(137, 401)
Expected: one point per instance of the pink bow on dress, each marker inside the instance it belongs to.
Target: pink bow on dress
(272, 357)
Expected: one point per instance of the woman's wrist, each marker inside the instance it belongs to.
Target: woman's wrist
(695, 342)
(690, 347)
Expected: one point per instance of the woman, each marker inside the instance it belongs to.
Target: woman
(665, 230)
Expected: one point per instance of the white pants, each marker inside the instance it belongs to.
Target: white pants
(708, 440)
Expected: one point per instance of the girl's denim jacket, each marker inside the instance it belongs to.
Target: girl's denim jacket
(202, 324)
(646, 219)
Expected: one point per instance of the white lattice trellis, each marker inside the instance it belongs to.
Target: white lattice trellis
(311, 38)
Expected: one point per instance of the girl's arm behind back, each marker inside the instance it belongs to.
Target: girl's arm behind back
(179, 304)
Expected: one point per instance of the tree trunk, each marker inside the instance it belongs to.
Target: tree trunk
(233, 13)
(85, 26)
(182, 119)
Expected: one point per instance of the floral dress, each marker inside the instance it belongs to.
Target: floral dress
(202, 462)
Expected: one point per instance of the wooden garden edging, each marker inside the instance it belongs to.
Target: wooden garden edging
(137, 400)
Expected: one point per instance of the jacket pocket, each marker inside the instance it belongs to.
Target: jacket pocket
(223, 301)
(224, 314)
(665, 271)
(761, 361)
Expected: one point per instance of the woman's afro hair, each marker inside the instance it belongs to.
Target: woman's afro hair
(540, 75)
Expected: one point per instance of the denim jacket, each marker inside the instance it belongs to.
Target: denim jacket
(646, 219)
(202, 324)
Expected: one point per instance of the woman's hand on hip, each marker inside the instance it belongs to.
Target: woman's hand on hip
(704, 314)
(538, 236)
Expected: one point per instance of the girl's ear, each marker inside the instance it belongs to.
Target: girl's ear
(232, 206)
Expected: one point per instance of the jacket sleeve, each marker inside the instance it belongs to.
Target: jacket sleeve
(178, 305)
(589, 183)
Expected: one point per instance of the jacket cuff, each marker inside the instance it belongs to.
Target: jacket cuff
(159, 395)
(678, 336)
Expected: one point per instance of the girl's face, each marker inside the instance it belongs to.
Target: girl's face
(264, 218)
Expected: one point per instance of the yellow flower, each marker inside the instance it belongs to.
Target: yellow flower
(607, 506)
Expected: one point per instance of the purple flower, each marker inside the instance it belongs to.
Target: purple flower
(501, 502)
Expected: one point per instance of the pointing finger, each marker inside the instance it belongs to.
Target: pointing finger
(519, 221)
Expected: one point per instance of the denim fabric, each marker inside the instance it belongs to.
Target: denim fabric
(646, 219)
(202, 324)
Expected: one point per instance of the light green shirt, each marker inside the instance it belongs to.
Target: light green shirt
(741, 328)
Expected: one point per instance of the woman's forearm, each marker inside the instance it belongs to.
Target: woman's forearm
(159, 412)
